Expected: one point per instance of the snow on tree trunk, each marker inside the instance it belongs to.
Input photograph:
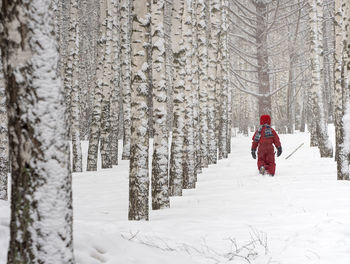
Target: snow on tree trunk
(115, 97)
(195, 88)
(177, 144)
(320, 123)
(169, 62)
(341, 110)
(189, 174)
(94, 136)
(138, 177)
(41, 197)
(203, 80)
(215, 21)
(223, 83)
(72, 85)
(4, 149)
(107, 80)
(160, 192)
(85, 73)
(125, 74)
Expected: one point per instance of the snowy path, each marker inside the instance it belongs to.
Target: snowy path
(302, 212)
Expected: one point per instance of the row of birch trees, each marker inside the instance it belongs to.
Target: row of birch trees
(138, 70)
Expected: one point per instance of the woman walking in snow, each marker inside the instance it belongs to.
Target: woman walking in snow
(263, 139)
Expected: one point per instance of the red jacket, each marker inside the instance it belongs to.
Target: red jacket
(265, 139)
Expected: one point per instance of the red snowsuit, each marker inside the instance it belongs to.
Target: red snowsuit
(266, 152)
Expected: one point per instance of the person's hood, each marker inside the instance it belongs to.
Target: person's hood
(265, 119)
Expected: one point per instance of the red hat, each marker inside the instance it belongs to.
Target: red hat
(265, 119)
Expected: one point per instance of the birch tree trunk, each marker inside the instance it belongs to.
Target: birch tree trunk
(125, 74)
(341, 151)
(94, 136)
(160, 192)
(138, 177)
(72, 85)
(223, 114)
(4, 149)
(316, 16)
(106, 129)
(195, 88)
(189, 175)
(41, 179)
(212, 77)
(201, 28)
(115, 97)
(177, 144)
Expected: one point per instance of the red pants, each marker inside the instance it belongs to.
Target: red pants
(266, 158)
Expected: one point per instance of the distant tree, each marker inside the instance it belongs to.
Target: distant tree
(138, 177)
(318, 104)
(41, 195)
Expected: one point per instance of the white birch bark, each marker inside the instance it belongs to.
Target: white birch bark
(177, 144)
(115, 97)
(160, 191)
(125, 74)
(189, 159)
(195, 88)
(223, 83)
(203, 80)
(138, 177)
(41, 196)
(341, 111)
(316, 16)
(108, 78)
(94, 136)
(4, 149)
(212, 77)
(72, 85)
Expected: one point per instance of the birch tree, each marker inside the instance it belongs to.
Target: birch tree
(125, 74)
(215, 20)
(320, 122)
(41, 197)
(116, 94)
(107, 82)
(203, 80)
(94, 137)
(189, 173)
(160, 192)
(341, 110)
(223, 95)
(138, 177)
(72, 85)
(3, 136)
(177, 144)
(195, 90)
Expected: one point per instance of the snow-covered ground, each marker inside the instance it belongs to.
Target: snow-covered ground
(300, 216)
